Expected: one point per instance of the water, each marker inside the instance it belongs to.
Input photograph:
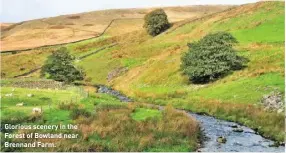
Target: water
(244, 141)
(115, 93)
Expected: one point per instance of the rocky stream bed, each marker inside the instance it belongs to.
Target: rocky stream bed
(219, 135)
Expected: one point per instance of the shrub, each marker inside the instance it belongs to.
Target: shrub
(67, 106)
(108, 106)
(35, 117)
(211, 57)
(12, 117)
(59, 67)
(156, 22)
(77, 112)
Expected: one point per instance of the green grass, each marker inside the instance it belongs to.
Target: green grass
(272, 30)
(244, 90)
(154, 68)
(162, 75)
(265, 24)
(56, 116)
(177, 148)
(146, 135)
(11, 64)
(142, 114)
(132, 62)
(113, 124)
(93, 63)
(21, 94)
(73, 46)
(46, 99)
(159, 79)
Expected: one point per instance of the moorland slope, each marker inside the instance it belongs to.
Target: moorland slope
(148, 68)
(69, 28)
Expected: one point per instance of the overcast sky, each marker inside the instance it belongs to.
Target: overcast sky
(21, 10)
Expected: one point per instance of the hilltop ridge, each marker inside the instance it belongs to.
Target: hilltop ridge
(74, 27)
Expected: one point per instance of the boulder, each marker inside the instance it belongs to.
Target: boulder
(273, 102)
(280, 111)
(30, 95)
(234, 126)
(275, 144)
(20, 104)
(9, 95)
(221, 139)
(110, 91)
(238, 130)
(116, 72)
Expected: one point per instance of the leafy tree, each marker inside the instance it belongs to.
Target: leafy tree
(59, 66)
(211, 58)
(156, 22)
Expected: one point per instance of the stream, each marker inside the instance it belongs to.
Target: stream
(232, 136)
(242, 140)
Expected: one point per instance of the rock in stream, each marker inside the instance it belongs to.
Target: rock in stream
(242, 141)
(220, 135)
(112, 92)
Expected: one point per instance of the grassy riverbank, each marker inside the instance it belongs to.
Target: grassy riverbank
(148, 70)
(105, 123)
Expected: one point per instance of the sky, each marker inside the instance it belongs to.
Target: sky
(12, 11)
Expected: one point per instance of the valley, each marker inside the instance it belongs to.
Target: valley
(134, 96)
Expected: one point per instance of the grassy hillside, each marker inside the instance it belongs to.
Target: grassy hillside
(154, 73)
(105, 123)
(3, 26)
(146, 56)
(148, 68)
(68, 28)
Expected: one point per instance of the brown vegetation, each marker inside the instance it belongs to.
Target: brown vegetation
(74, 17)
(38, 32)
(88, 25)
(118, 125)
(57, 27)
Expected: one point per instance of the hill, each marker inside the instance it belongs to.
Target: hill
(69, 28)
(3, 26)
(148, 68)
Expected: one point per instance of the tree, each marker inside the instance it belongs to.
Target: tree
(211, 58)
(156, 22)
(59, 66)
